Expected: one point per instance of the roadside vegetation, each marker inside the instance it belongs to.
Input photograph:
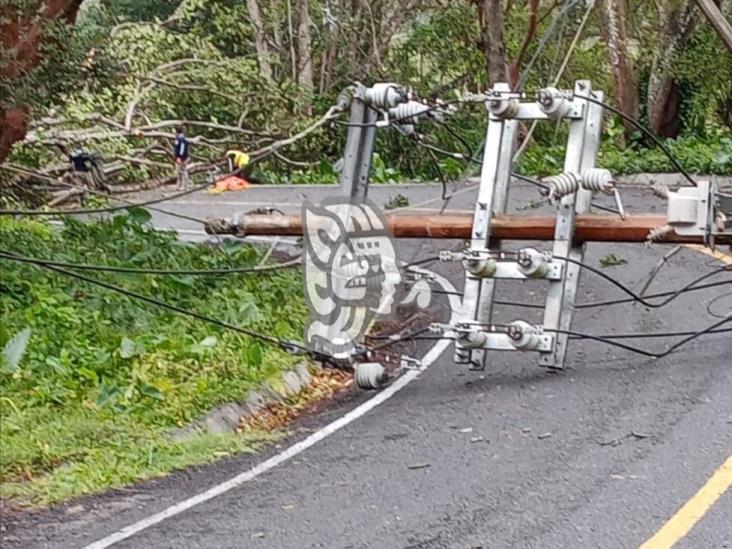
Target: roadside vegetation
(89, 402)
(92, 381)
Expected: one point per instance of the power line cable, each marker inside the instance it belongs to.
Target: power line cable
(286, 345)
(716, 300)
(648, 133)
(557, 77)
(690, 287)
(644, 352)
(559, 16)
(659, 334)
(631, 293)
(107, 209)
(149, 271)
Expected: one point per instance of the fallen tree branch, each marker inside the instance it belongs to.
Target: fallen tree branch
(332, 113)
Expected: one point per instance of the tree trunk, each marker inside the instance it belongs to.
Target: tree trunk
(662, 105)
(260, 43)
(13, 127)
(304, 54)
(490, 20)
(22, 33)
(621, 65)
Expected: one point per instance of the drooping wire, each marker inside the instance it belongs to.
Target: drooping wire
(174, 308)
(559, 16)
(631, 293)
(674, 347)
(716, 300)
(648, 133)
(5, 254)
(658, 334)
(690, 287)
(398, 339)
(107, 209)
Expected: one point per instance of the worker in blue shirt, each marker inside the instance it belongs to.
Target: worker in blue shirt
(181, 152)
(84, 166)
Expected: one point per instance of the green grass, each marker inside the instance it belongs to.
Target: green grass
(105, 378)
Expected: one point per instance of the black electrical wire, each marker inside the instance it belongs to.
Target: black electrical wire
(435, 107)
(108, 208)
(518, 176)
(441, 176)
(142, 270)
(658, 335)
(399, 339)
(421, 262)
(180, 310)
(690, 287)
(715, 300)
(530, 180)
(398, 119)
(674, 347)
(468, 149)
(433, 161)
(610, 302)
(631, 293)
(644, 130)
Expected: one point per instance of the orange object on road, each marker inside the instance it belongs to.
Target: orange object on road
(231, 183)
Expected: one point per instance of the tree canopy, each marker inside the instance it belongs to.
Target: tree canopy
(118, 76)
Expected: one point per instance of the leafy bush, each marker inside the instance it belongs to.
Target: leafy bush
(694, 154)
(104, 377)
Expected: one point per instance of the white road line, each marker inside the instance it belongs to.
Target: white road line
(293, 450)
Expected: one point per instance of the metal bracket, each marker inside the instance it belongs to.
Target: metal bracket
(409, 363)
(505, 109)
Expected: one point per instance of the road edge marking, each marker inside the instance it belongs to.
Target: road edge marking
(272, 462)
(689, 514)
(716, 254)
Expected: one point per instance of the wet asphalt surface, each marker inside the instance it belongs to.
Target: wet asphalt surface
(598, 455)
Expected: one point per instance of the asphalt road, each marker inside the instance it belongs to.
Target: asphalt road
(599, 455)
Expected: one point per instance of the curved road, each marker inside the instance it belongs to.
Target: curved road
(599, 455)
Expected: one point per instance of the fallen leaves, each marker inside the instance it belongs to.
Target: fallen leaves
(325, 384)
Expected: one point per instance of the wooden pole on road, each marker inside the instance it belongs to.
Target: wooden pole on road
(589, 228)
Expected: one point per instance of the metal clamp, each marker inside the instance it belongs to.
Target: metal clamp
(409, 363)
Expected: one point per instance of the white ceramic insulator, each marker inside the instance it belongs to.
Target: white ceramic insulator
(472, 340)
(503, 107)
(410, 112)
(597, 180)
(533, 263)
(480, 267)
(524, 336)
(384, 95)
(552, 103)
(563, 184)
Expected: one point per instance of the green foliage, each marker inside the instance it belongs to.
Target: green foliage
(695, 155)
(65, 60)
(703, 70)
(105, 373)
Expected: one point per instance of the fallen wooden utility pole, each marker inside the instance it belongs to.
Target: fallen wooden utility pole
(589, 228)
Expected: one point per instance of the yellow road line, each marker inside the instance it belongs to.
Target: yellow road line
(716, 254)
(693, 510)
